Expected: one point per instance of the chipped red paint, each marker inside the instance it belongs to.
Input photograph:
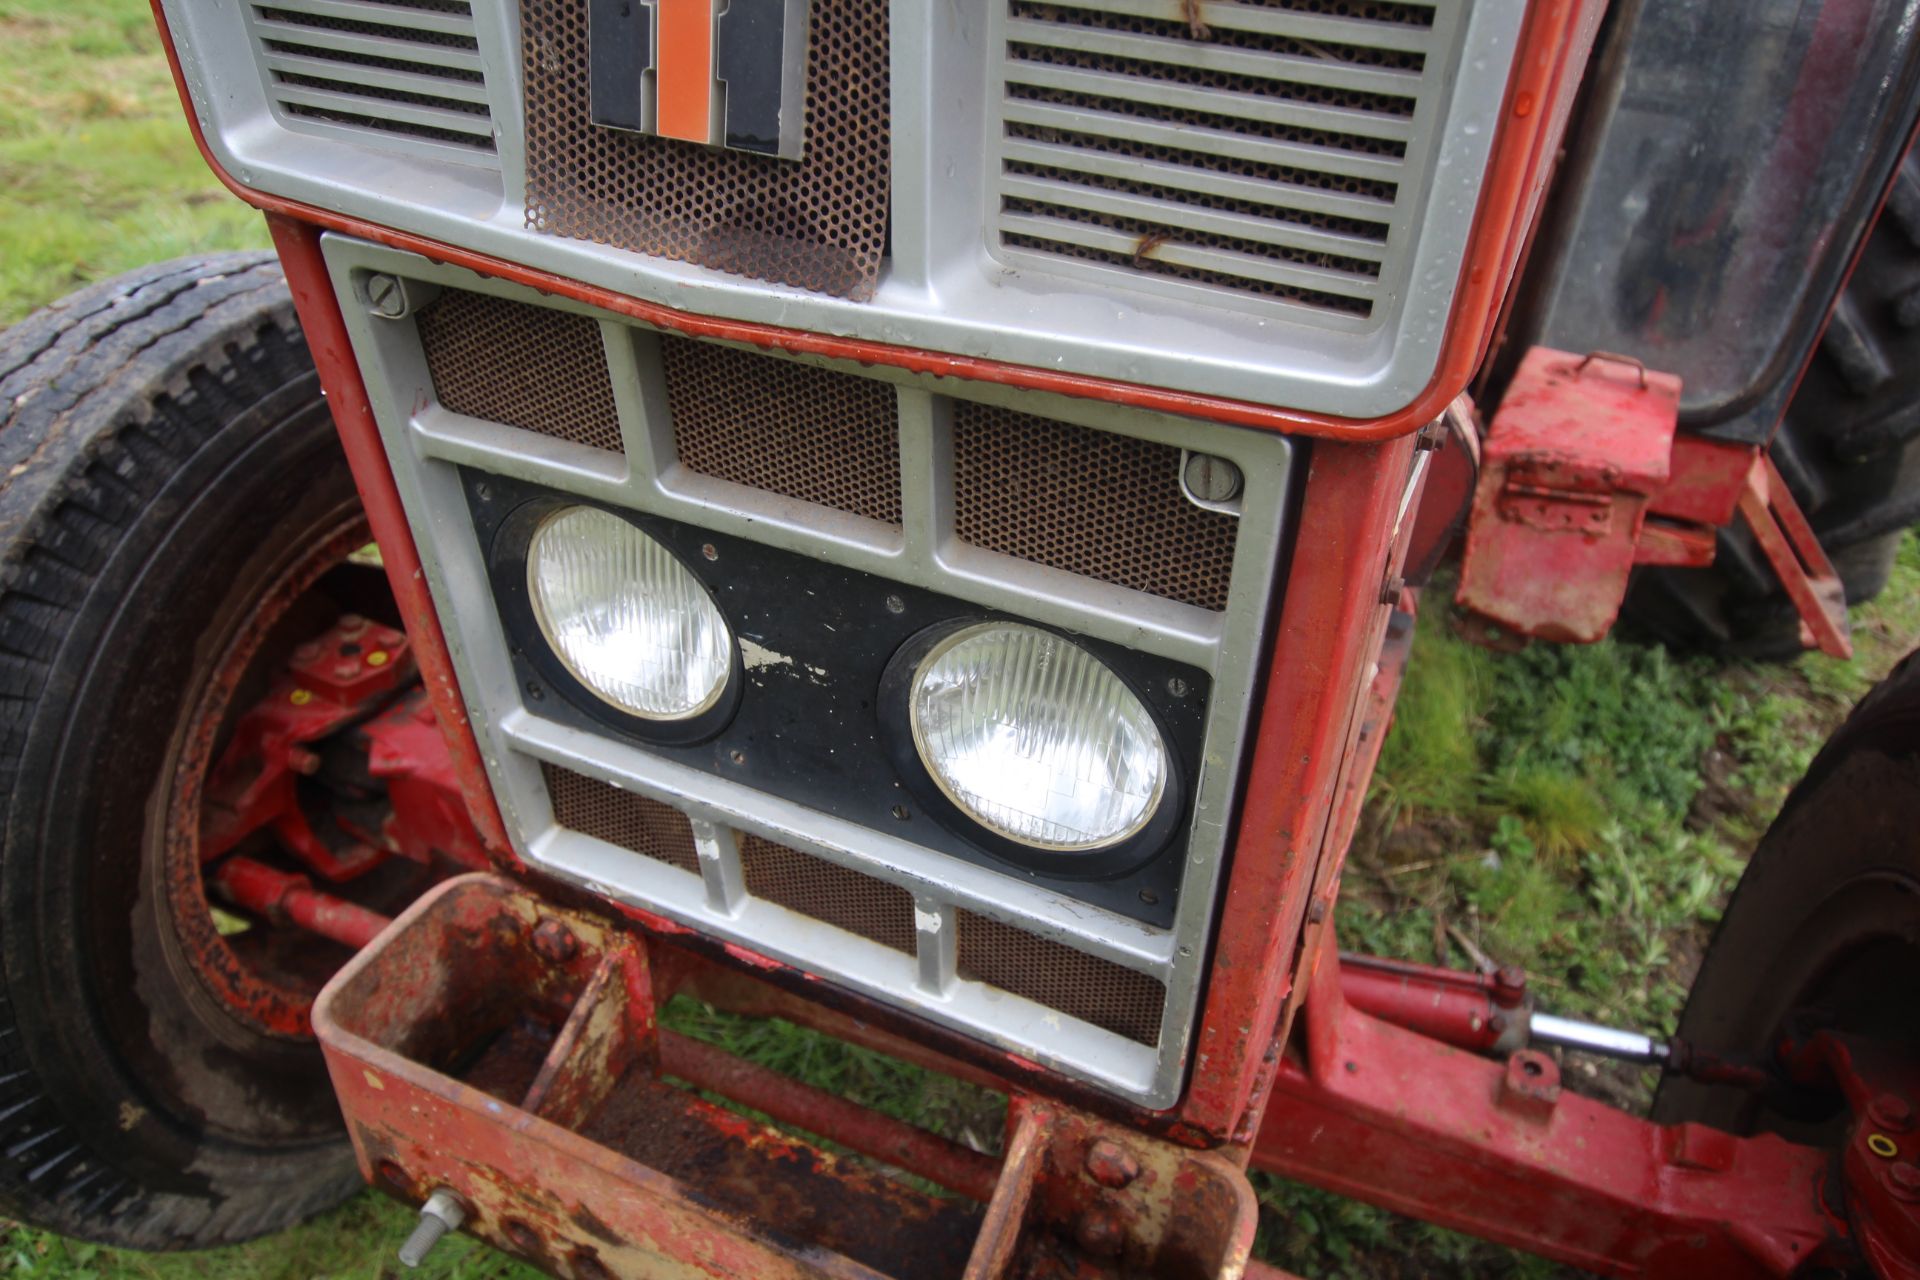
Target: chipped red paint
(298, 244)
(279, 895)
(1553, 44)
(1798, 559)
(1317, 679)
(1387, 1116)
(576, 1149)
(1578, 448)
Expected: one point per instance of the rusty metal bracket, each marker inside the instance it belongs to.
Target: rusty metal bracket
(1791, 547)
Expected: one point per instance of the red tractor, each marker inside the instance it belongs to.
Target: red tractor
(907, 519)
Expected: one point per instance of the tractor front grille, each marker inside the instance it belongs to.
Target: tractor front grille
(801, 432)
(1084, 987)
(1090, 502)
(529, 367)
(389, 73)
(1257, 149)
(819, 223)
(635, 823)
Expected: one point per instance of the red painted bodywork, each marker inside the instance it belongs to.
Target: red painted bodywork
(1389, 1116)
(1577, 450)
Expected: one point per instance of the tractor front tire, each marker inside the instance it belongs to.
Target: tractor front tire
(165, 453)
(1823, 931)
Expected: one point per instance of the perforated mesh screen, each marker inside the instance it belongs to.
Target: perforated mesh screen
(635, 823)
(828, 892)
(818, 223)
(787, 428)
(1077, 984)
(1090, 502)
(523, 365)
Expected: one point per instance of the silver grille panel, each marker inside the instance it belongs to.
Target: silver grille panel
(1255, 149)
(1276, 213)
(396, 74)
(1097, 994)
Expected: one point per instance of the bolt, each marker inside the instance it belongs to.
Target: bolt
(1891, 1111)
(307, 652)
(1149, 897)
(386, 296)
(303, 761)
(442, 1213)
(554, 941)
(1211, 479)
(346, 670)
(1101, 1232)
(1110, 1164)
(350, 624)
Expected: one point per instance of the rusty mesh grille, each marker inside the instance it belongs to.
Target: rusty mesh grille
(635, 823)
(790, 429)
(828, 892)
(526, 366)
(819, 223)
(1262, 153)
(1081, 986)
(1102, 505)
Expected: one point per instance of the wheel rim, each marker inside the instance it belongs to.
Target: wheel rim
(263, 977)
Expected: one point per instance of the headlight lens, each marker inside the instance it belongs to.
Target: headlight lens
(626, 617)
(1034, 738)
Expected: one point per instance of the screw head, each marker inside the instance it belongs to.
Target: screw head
(1212, 479)
(709, 551)
(1176, 686)
(386, 296)
(896, 605)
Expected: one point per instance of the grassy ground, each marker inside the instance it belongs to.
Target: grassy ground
(1584, 812)
(98, 174)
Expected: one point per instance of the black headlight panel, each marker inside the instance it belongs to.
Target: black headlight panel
(819, 702)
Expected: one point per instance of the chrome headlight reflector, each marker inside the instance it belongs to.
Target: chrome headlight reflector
(1035, 739)
(625, 617)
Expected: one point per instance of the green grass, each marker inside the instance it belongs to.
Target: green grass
(1581, 811)
(98, 173)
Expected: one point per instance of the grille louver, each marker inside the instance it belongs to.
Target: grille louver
(1257, 148)
(401, 74)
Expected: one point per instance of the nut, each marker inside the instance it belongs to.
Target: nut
(554, 941)
(1110, 1164)
(1891, 1111)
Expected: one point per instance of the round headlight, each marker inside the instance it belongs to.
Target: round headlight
(1035, 739)
(625, 617)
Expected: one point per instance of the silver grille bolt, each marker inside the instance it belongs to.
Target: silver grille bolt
(1211, 479)
(442, 1213)
(386, 296)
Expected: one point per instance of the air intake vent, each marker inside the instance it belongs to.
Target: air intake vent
(528, 367)
(827, 891)
(1101, 505)
(400, 74)
(634, 823)
(1254, 148)
(790, 429)
(1077, 984)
